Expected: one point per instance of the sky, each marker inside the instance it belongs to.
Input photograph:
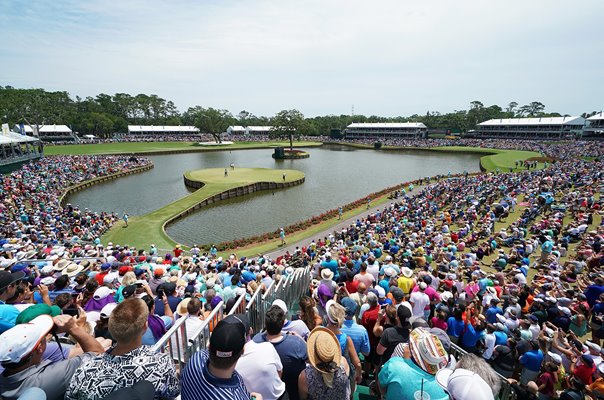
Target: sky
(387, 58)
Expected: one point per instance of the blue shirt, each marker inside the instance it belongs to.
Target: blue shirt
(8, 316)
(500, 338)
(532, 360)
(491, 314)
(358, 334)
(197, 383)
(470, 336)
(402, 378)
(455, 327)
(292, 352)
(333, 267)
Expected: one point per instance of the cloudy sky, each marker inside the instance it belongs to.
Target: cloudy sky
(322, 57)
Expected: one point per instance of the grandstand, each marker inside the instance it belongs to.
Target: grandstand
(386, 130)
(235, 130)
(162, 130)
(258, 130)
(46, 132)
(595, 127)
(17, 149)
(531, 128)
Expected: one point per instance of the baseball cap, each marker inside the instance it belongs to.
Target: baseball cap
(6, 278)
(281, 304)
(19, 341)
(350, 305)
(238, 319)
(463, 384)
(32, 312)
(128, 291)
(107, 310)
(398, 294)
(227, 339)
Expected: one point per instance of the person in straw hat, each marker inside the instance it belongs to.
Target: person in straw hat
(409, 373)
(326, 377)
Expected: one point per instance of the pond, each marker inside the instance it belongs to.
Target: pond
(335, 175)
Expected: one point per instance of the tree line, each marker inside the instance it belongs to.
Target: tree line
(106, 114)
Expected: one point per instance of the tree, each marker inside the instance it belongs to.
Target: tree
(286, 124)
(533, 109)
(209, 120)
(511, 108)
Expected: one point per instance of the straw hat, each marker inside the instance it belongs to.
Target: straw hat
(73, 269)
(181, 309)
(427, 350)
(323, 347)
(326, 274)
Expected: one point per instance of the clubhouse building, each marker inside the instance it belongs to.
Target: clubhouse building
(162, 130)
(595, 127)
(531, 128)
(386, 130)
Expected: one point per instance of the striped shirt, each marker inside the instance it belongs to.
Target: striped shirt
(358, 335)
(199, 384)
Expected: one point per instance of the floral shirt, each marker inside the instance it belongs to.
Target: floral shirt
(107, 373)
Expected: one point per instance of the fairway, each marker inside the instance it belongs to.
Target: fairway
(150, 228)
(161, 147)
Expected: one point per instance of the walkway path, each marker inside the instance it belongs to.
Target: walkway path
(345, 223)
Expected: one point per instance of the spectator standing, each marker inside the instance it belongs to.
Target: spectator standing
(210, 374)
(127, 362)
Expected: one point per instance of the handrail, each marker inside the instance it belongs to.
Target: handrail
(239, 306)
(200, 339)
(253, 311)
(172, 339)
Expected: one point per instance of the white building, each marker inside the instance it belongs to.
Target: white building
(162, 130)
(47, 132)
(531, 128)
(258, 130)
(386, 130)
(235, 130)
(595, 127)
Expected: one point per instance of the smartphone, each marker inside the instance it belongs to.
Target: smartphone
(383, 306)
(73, 311)
(341, 284)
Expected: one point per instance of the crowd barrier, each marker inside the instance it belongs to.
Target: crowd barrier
(290, 289)
(180, 346)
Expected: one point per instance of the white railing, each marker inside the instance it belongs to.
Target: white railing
(181, 345)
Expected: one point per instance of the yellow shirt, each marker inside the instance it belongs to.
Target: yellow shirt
(405, 284)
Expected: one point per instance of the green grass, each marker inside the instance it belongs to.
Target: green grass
(158, 147)
(149, 228)
(492, 160)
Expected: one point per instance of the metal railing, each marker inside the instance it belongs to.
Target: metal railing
(173, 342)
(201, 338)
(239, 306)
(254, 309)
(181, 345)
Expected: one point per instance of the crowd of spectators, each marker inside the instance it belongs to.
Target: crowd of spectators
(507, 267)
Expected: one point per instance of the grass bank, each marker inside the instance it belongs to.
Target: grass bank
(161, 147)
(150, 228)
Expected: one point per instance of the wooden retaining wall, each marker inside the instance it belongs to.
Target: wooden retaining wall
(229, 194)
(86, 184)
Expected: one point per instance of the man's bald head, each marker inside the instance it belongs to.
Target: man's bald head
(362, 288)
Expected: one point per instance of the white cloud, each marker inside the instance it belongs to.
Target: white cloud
(386, 57)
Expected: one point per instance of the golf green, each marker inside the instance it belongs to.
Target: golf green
(215, 184)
